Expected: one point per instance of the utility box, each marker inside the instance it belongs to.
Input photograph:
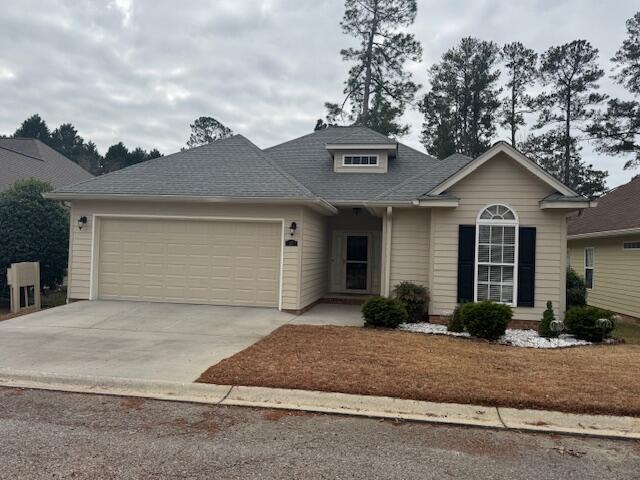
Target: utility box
(24, 283)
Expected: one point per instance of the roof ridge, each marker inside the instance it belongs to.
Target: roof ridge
(368, 130)
(22, 153)
(294, 181)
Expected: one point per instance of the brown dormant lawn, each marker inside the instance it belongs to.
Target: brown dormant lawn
(594, 379)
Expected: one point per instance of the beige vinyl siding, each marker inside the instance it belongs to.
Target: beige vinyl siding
(315, 257)
(410, 236)
(80, 240)
(500, 180)
(616, 275)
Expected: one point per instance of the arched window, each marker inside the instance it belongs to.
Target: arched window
(496, 254)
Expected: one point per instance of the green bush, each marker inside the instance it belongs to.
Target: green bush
(585, 323)
(415, 299)
(34, 229)
(544, 329)
(455, 321)
(576, 289)
(486, 319)
(384, 312)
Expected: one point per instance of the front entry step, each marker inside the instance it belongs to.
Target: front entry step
(345, 298)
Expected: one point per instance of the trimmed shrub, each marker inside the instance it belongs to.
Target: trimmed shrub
(384, 312)
(415, 299)
(585, 323)
(486, 319)
(544, 329)
(455, 321)
(576, 289)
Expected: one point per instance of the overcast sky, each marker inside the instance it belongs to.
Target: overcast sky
(139, 71)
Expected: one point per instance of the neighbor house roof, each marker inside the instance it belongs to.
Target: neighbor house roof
(23, 158)
(617, 210)
(231, 167)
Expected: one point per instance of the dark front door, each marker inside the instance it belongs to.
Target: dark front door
(357, 262)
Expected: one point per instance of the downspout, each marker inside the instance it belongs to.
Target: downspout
(387, 252)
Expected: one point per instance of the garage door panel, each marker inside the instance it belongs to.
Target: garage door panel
(218, 262)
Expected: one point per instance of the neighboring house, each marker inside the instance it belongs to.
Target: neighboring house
(341, 210)
(24, 158)
(604, 248)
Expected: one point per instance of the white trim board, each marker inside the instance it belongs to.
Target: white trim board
(503, 147)
(95, 249)
(605, 233)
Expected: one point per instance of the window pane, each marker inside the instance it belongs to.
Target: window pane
(507, 275)
(347, 160)
(494, 293)
(508, 254)
(510, 235)
(496, 234)
(588, 277)
(483, 291)
(495, 274)
(357, 248)
(373, 160)
(588, 257)
(483, 273)
(484, 234)
(356, 276)
(496, 254)
(483, 253)
(507, 294)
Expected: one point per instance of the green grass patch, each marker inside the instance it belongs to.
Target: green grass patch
(628, 331)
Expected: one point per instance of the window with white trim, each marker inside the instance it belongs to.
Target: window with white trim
(589, 266)
(631, 245)
(359, 160)
(496, 254)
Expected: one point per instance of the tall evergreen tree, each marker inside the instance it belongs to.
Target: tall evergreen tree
(521, 67)
(65, 139)
(34, 127)
(378, 88)
(548, 150)
(461, 108)
(117, 157)
(205, 130)
(618, 129)
(570, 72)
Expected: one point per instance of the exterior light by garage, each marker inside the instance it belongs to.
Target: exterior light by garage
(292, 228)
(82, 221)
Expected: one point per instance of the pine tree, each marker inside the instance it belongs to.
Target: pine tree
(205, 130)
(548, 151)
(570, 73)
(461, 108)
(618, 129)
(378, 88)
(521, 67)
(34, 127)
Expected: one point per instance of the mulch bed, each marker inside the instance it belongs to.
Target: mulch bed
(594, 379)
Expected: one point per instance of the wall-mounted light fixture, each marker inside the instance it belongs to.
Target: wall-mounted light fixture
(292, 228)
(82, 221)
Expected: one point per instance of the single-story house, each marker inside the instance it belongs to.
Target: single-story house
(604, 248)
(344, 210)
(24, 158)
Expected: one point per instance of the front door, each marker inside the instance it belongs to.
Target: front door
(357, 262)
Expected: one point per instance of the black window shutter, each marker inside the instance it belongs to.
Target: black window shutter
(526, 266)
(466, 260)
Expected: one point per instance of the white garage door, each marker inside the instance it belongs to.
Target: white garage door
(190, 261)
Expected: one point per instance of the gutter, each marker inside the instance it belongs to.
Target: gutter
(605, 233)
(317, 202)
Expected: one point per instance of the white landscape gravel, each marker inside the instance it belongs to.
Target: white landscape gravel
(513, 337)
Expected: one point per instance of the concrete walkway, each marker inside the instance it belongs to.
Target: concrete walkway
(339, 403)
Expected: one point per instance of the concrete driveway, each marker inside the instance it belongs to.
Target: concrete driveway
(150, 341)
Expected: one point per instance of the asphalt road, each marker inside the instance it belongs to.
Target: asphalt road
(63, 435)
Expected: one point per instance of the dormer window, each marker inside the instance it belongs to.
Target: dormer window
(348, 160)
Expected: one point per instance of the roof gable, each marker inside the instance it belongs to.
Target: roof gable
(514, 154)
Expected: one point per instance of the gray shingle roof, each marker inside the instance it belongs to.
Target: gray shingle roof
(231, 167)
(360, 135)
(298, 169)
(308, 160)
(22, 158)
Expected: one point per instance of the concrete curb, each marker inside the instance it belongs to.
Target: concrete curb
(329, 402)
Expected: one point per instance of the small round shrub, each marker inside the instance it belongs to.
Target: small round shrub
(583, 322)
(414, 297)
(455, 321)
(576, 289)
(544, 329)
(384, 312)
(486, 319)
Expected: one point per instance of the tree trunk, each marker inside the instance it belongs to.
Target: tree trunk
(513, 117)
(567, 139)
(367, 76)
